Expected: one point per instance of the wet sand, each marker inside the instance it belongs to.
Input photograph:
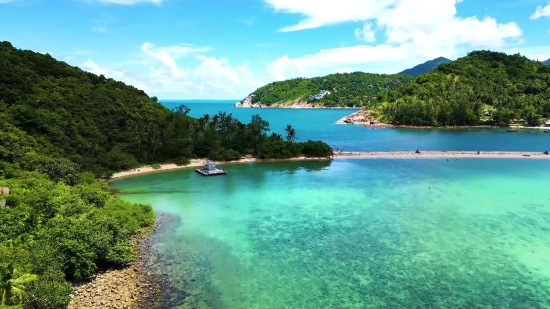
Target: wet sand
(357, 155)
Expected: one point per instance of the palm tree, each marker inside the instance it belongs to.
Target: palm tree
(290, 133)
(13, 287)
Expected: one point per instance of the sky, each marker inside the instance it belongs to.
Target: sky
(226, 49)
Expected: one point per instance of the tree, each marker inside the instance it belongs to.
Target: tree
(290, 133)
(13, 285)
(181, 109)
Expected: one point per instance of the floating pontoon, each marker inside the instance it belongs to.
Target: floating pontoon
(211, 169)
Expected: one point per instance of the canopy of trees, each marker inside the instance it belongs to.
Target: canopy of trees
(346, 89)
(60, 127)
(510, 86)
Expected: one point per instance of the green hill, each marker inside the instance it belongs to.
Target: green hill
(425, 67)
(346, 89)
(547, 62)
(511, 86)
(104, 125)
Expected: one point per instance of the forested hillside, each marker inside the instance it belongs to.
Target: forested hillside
(425, 67)
(60, 127)
(104, 125)
(547, 62)
(508, 86)
(345, 89)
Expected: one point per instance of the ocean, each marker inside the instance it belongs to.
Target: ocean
(319, 124)
(357, 233)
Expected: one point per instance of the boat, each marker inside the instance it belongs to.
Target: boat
(211, 169)
(547, 130)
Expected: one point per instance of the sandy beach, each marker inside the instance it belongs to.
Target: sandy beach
(356, 155)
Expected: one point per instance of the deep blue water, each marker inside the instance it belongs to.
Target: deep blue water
(318, 124)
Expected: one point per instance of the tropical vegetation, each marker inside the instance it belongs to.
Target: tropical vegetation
(504, 87)
(60, 129)
(346, 89)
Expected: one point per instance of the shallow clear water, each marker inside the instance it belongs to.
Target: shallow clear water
(319, 125)
(371, 233)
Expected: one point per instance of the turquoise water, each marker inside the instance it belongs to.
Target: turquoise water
(319, 124)
(370, 233)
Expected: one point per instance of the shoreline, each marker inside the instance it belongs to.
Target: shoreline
(427, 128)
(296, 107)
(352, 155)
(129, 286)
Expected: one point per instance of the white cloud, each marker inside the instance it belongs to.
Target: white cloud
(365, 34)
(540, 53)
(92, 67)
(541, 12)
(99, 29)
(162, 76)
(413, 33)
(130, 2)
(328, 12)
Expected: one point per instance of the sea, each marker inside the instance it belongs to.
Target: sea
(356, 233)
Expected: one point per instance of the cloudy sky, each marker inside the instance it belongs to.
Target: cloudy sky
(225, 49)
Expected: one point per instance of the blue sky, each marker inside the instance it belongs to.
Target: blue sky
(214, 49)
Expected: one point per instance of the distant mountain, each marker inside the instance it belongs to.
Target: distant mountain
(426, 66)
(547, 62)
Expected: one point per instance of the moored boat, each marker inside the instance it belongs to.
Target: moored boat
(211, 169)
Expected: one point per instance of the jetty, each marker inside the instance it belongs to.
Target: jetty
(211, 169)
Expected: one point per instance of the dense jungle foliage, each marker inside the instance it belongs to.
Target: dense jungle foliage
(508, 86)
(347, 89)
(60, 128)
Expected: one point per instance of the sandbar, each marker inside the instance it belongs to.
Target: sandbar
(357, 155)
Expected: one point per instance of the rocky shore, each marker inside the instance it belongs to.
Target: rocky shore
(361, 117)
(131, 287)
(248, 103)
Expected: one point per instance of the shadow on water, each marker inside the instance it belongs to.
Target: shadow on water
(255, 173)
